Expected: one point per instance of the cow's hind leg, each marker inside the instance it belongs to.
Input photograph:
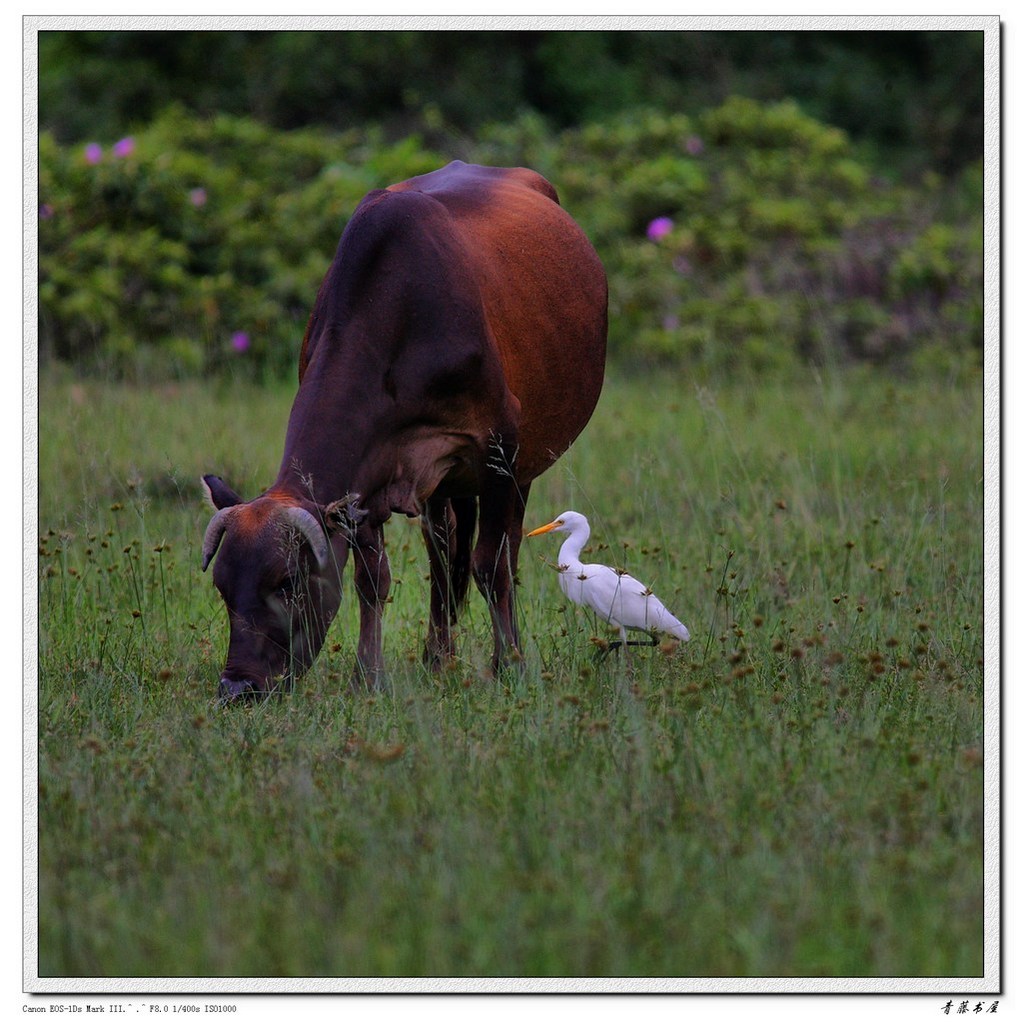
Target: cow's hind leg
(495, 561)
(372, 584)
(438, 524)
(448, 527)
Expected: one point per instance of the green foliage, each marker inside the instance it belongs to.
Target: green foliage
(205, 229)
(916, 97)
(777, 245)
(798, 791)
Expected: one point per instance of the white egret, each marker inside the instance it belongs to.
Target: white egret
(617, 597)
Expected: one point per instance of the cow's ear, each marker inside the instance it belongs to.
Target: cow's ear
(218, 494)
(344, 514)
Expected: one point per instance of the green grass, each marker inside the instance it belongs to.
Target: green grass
(796, 792)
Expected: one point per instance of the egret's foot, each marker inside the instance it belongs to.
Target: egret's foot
(617, 645)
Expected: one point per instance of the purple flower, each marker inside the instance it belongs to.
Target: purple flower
(124, 147)
(240, 341)
(197, 197)
(93, 153)
(45, 211)
(694, 145)
(658, 228)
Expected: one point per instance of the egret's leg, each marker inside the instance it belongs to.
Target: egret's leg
(617, 645)
(652, 642)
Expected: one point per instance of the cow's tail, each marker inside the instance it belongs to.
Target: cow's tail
(465, 511)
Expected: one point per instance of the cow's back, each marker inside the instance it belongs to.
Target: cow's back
(544, 293)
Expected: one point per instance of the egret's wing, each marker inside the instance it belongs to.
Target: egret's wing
(603, 593)
(593, 586)
(637, 607)
(620, 600)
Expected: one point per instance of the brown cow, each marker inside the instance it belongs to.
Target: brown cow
(455, 351)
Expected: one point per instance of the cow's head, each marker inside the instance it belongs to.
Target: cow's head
(279, 572)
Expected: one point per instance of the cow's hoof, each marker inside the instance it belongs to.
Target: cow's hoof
(366, 680)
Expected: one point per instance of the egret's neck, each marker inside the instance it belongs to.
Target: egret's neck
(572, 548)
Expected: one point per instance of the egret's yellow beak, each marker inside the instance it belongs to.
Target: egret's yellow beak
(545, 529)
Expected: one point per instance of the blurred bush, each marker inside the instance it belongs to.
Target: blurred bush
(914, 96)
(748, 237)
(196, 241)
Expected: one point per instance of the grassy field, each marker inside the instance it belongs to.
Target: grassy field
(796, 792)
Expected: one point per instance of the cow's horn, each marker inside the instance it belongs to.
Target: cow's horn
(305, 522)
(214, 535)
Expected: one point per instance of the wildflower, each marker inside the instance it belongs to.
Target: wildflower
(197, 197)
(93, 153)
(694, 145)
(240, 341)
(124, 147)
(658, 228)
(45, 211)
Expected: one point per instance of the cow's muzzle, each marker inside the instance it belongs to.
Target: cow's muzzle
(231, 690)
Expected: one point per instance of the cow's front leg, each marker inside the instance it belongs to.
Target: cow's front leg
(495, 561)
(372, 584)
